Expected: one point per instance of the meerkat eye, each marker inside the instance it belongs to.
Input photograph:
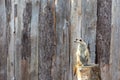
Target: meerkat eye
(80, 40)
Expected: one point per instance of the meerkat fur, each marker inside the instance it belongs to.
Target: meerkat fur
(82, 57)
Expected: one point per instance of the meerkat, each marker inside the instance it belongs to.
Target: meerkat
(84, 52)
(82, 57)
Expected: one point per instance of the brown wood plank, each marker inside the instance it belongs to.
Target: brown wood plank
(47, 43)
(3, 44)
(26, 41)
(103, 37)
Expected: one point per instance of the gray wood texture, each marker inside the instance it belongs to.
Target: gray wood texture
(88, 25)
(37, 37)
(61, 58)
(3, 40)
(115, 44)
(47, 43)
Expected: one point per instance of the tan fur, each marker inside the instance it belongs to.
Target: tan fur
(76, 70)
(85, 53)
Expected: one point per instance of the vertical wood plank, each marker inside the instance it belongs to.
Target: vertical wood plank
(115, 44)
(11, 44)
(66, 39)
(26, 40)
(16, 50)
(103, 36)
(34, 40)
(3, 44)
(18, 41)
(59, 37)
(75, 32)
(61, 62)
(88, 25)
(47, 43)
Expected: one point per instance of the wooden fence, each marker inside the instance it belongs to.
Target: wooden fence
(37, 37)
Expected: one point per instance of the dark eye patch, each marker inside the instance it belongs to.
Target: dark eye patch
(80, 40)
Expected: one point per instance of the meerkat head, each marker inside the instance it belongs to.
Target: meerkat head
(80, 41)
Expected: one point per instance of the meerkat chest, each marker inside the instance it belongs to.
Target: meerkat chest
(82, 50)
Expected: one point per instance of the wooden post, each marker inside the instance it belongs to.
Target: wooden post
(90, 73)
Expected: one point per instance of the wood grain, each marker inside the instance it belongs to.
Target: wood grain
(103, 37)
(47, 43)
(3, 40)
(115, 45)
(37, 37)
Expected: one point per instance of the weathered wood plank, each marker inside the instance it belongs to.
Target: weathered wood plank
(3, 40)
(16, 48)
(47, 43)
(61, 62)
(59, 39)
(75, 32)
(34, 40)
(90, 73)
(26, 41)
(115, 42)
(103, 37)
(66, 40)
(88, 25)
(11, 44)
(18, 41)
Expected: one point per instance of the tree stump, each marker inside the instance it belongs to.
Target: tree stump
(91, 72)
